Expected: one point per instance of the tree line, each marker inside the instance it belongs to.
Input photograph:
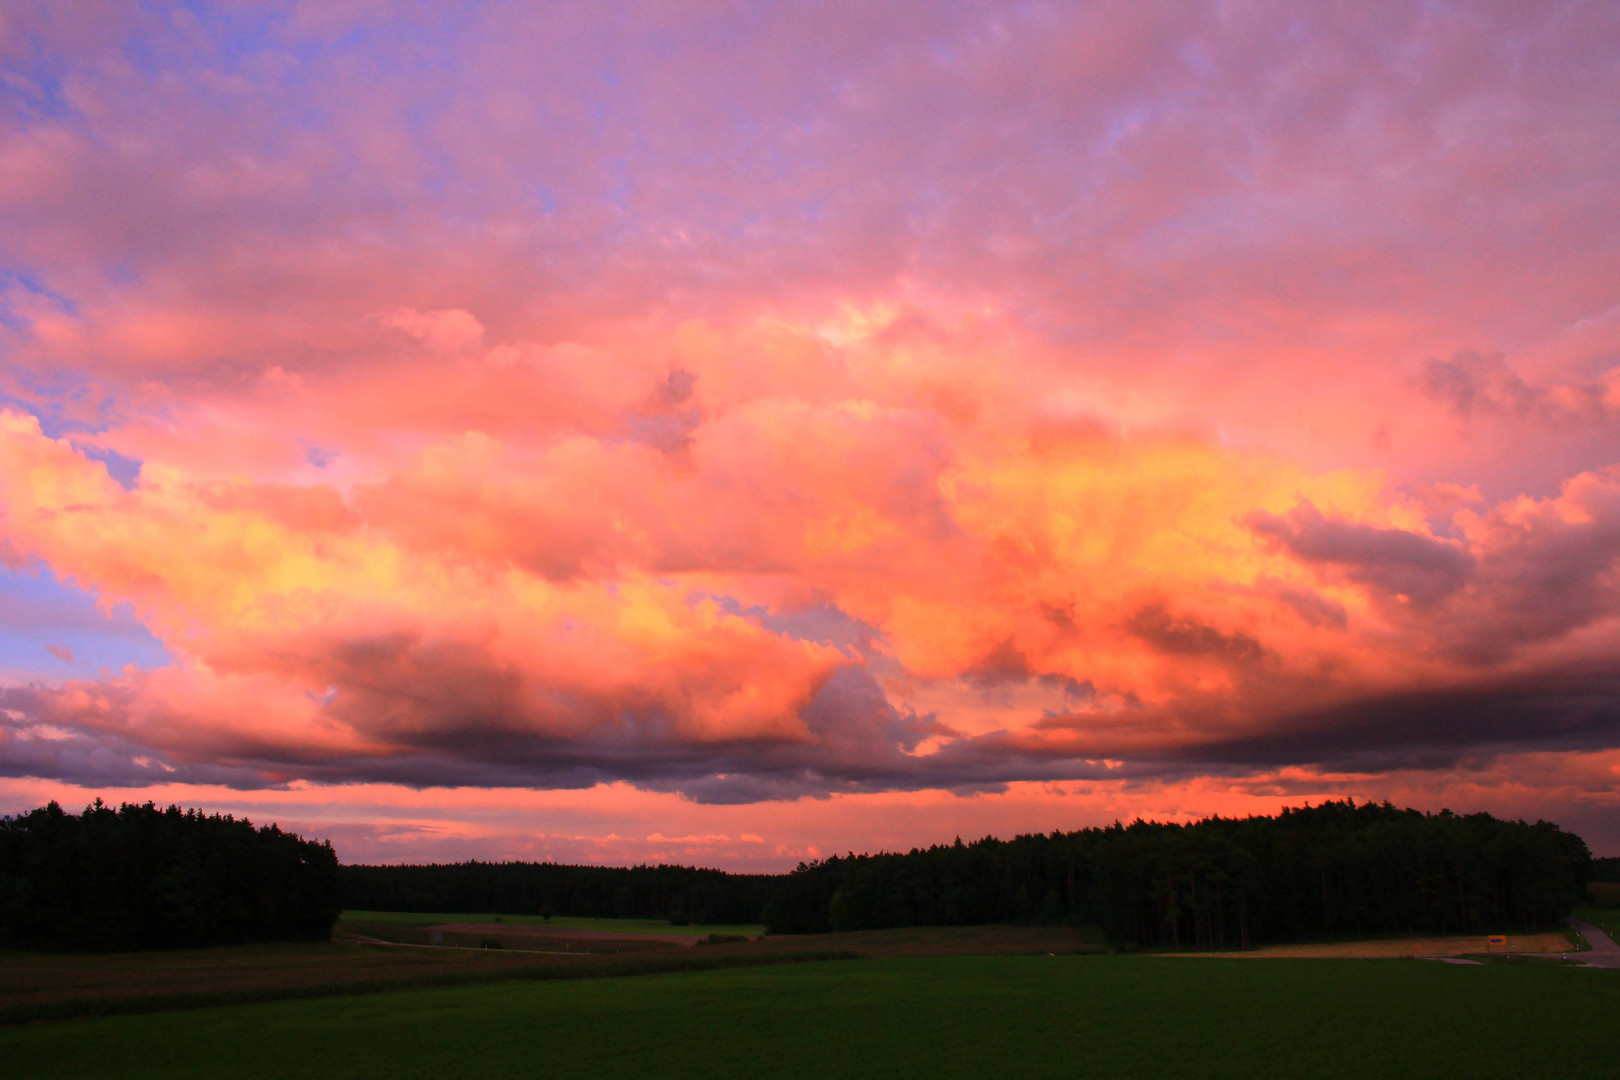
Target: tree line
(140, 877)
(1332, 870)
(682, 893)
(143, 877)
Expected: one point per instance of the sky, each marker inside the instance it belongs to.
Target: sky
(733, 434)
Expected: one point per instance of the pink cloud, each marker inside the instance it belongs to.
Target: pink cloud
(862, 406)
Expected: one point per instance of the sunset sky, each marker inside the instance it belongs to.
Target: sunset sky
(734, 433)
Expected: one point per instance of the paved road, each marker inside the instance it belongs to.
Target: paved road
(1605, 953)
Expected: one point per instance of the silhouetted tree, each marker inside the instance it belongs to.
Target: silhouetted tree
(140, 877)
(706, 897)
(1332, 870)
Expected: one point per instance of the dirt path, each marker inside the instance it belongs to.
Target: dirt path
(1605, 953)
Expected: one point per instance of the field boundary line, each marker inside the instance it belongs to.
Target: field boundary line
(361, 939)
(602, 966)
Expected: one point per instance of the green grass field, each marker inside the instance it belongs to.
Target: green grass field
(1068, 1016)
(557, 922)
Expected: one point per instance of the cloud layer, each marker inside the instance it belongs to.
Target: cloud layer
(754, 405)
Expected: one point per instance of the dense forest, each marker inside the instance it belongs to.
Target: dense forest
(143, 877)
(140, 877)
(647, 892)
(1332, 870)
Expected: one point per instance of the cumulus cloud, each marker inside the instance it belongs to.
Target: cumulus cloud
(1403, 565)
(814, 404)
(1472, 385)
(449, 331)
(497, 614)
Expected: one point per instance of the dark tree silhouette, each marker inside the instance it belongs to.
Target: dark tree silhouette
(705, 897)
(1327, 871)
(143, 878)
(1335, 870)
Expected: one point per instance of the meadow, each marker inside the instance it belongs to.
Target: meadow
(945, 1016)
(661, 927)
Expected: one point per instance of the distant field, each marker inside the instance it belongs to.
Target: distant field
(1554, 941)
(46, 986)
(557, 922)
(1029, 1016)
(1604, 893)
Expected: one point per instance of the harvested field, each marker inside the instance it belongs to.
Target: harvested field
(993, 940)
(652, 927)
(48, 984)
(45, 986)
(504, 936)
(1554, 941)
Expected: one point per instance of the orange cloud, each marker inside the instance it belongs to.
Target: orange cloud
(1098, 406)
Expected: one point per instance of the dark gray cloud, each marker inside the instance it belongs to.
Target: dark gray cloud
(860, 743)
(1181, 635)
(95, 758)
(1571, 709)
(1392, 563)
(1473, 384)
(1532, 574)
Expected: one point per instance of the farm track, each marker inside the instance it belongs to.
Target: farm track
(1604, 952)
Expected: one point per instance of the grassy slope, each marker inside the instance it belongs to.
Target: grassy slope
(945, 1016)
(557, 922)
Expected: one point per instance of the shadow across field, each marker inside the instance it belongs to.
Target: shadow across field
(369, 956)
(37, 986)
